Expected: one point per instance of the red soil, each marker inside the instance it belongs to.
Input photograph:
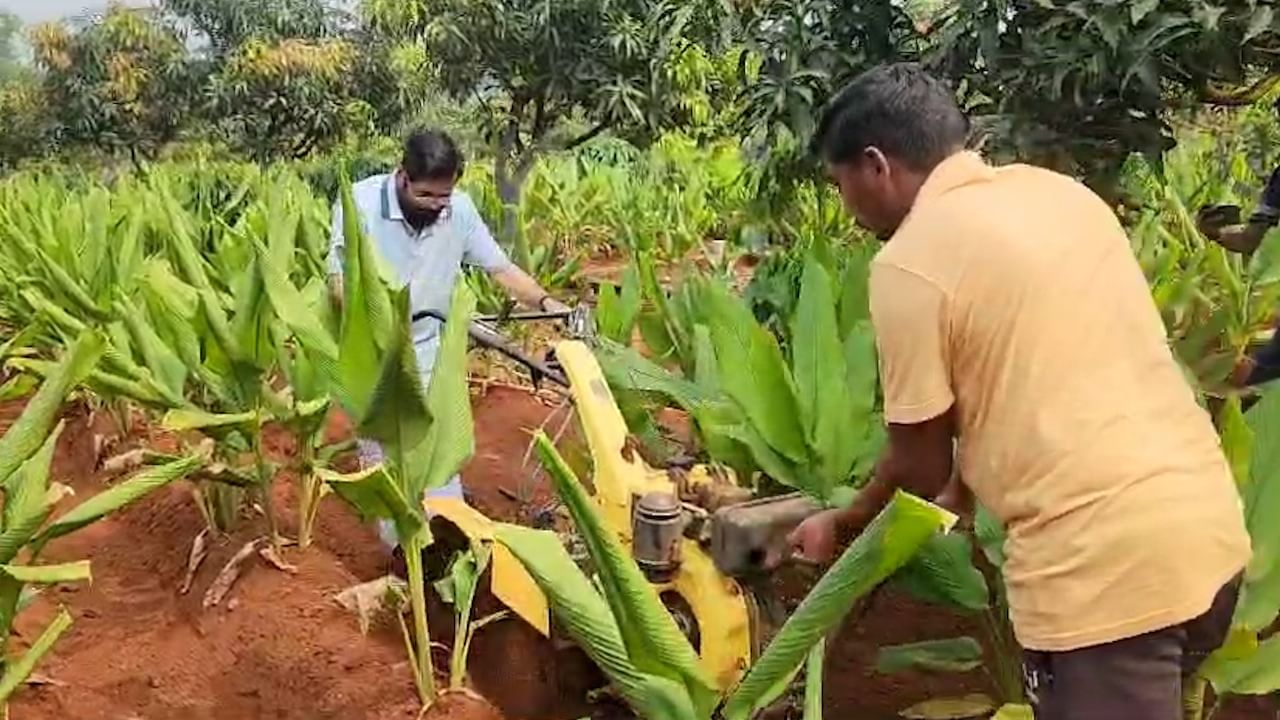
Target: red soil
(282, 648)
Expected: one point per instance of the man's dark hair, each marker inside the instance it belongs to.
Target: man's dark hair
(908, 114)
(431, 155)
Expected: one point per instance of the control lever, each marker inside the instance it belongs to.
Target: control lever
(486, 336)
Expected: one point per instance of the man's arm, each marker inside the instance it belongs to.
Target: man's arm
(1245, 238)
(526, 290)
(911, 318)
(483, 251)
(917, 459)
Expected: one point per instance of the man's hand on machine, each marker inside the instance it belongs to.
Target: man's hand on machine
(550, 304)
(1211, 220)
(816, 540)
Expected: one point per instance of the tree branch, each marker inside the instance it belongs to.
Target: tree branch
(1237, 96)
(589, 135)
(539, 117)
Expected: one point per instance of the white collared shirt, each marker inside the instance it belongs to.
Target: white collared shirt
(428, 261)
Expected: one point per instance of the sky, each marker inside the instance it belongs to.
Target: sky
(35, 11)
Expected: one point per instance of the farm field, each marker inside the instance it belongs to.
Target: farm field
(224, 398)
(285, 649)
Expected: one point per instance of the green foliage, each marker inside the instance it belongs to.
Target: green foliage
(610, 65)
(30, 499)
(290, 98)
(652, 639)
(425, 433)
(228, 24)
(1079, 85)
(954, 655)
(122, 84)
(806, 414)
(800, 53)
(631, 636)
(1214, 304)
(1245, 664)
(29, 129)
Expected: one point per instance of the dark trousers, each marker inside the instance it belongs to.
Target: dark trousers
(1266, 363)
(1138, 678)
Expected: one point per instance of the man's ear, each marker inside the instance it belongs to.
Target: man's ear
(876, 160)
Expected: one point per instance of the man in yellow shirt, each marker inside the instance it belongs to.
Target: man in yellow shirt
(1018, 339)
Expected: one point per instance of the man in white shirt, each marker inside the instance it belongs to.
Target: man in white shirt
(423, 230)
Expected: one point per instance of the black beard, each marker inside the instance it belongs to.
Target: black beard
(417, 218)
(422, 218)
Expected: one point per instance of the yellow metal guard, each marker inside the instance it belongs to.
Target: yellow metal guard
(718, 603)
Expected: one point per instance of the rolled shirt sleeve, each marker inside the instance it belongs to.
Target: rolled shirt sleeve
(481, 250)
(909, 313)
(1268, 210)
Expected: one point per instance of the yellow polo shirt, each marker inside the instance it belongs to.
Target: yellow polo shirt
(1012, 294)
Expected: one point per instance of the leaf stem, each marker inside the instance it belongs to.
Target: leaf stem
(422, 638)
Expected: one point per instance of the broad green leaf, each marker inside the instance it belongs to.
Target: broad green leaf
(720, 424)
(367, 322)
(292, 309)
(753, 373)
(990, 535)
(617, 309)
(458, 588)
(1260, 597)
(855, 304)
(251, 320)
(1139, 9)
(1237, 439)
(943, 573)
(862, 370)
(705, 372)
(375, 495)
(653, 641)
(896, 534)
(26, 506)
(766, 458)
(627, 369)
(660, 327)
(960, 654)
(173, 306)
(587, 618)
(18, 386)
(1241, 645)
(49, 574)
(70, 290)
(1257, 673)
(397, 416)
(25, 436)
(18, 340)
(17, 672)
(54, 313)
(961, 708)
(103, 383)
(451, 437)
(166, 367)
(813, 681)
(119, 496)
(1011, 711)
(818, 365)
(1260, 22)
(197, 419)
(191, 266)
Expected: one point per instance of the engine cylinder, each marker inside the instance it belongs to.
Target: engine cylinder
(657, 525)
